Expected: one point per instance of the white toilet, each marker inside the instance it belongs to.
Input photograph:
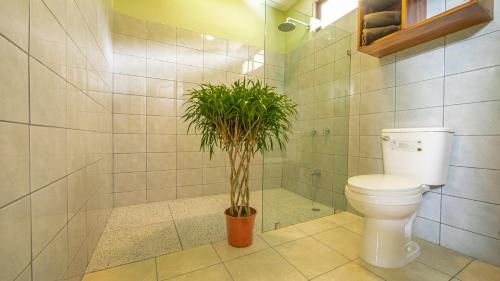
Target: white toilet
(414, 159)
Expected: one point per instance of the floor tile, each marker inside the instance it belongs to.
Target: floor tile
(213, 273)
(125, 246)
(348, 272)
(440, 258)
(137, 271)
(138, 215)
(310, 256)
(357, 226)
(266, 265)
(414, 271)
(479, 271)
(226, 251)
(282, 235)
(315, 226)
(341, 240)
(343, 218)
(186, 261)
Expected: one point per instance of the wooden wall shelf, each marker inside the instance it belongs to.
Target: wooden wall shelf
(414, 31)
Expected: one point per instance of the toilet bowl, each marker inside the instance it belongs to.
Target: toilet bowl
(414, 159)
(389, 205)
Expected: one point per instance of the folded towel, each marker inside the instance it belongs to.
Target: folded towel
(382, 19)
(371, 34)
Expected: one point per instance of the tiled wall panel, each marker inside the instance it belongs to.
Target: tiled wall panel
(55, 136)
(451, 81)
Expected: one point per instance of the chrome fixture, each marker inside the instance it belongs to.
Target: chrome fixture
(289, 25)
(326, 131)
(316, 172)
(314, 132)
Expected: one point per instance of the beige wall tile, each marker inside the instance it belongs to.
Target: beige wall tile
(186, 73)
(47, 96)
(129, 143)
(372, 124)
(49, 213)
(161, 143)
(47, 38)
(133, 162)
(378, 101)
(129, 124)
(15, 22)
(378, 78)
(161, 106)
(161, 33)
(189, 177)
(129, 45)
(52, 261)
(128, 104)
(13, 81)
(161, 69)
(425, 117)
(161, 51)
(14, 162)
(129, 198)
(161, 179)
(161, 125)
(131, 65)
(189, 39)
(16, 241)
(77, 234)
(163, 194)
(48, 148)
(129, 84)
(129, 26)
(161, 88)
(130, 181)
(161, 161)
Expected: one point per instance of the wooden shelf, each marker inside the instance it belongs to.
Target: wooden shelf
(414, 32)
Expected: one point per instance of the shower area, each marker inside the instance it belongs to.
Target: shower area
(105, 171)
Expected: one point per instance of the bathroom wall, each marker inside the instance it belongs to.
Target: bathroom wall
(55, 136)
(155, 66)
(452, 81)
(317, 78)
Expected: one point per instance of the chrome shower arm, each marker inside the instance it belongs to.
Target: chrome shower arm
(297, 21)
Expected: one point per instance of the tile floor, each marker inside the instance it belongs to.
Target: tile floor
(320, 249)
(139, 232)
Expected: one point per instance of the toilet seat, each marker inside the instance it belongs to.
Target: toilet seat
(383, 185)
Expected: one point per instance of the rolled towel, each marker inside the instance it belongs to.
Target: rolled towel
(371, 34)
(382, 19)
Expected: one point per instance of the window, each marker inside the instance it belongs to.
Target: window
(329, 11)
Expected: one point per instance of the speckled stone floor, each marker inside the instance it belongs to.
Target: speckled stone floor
(139, 232)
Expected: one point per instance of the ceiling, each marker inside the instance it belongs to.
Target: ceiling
(283, 5)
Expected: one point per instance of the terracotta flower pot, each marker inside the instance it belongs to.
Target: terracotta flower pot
(240, 229)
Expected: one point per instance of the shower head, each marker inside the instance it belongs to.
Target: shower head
(286, 26)
(289, 25)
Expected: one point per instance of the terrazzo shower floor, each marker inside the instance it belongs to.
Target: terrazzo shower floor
(140, 232)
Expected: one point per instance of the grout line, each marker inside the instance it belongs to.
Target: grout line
(222, 262)
(462, 269)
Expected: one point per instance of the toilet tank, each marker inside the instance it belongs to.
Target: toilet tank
(419, 153)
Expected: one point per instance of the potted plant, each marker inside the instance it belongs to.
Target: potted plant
(241, 120)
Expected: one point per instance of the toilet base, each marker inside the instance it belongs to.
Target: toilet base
(387, 243)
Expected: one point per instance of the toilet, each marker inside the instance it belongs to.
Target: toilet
(415, 159)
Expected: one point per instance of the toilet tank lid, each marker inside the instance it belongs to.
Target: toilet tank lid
(412, 130)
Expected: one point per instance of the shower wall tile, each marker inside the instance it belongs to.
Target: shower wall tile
(161, 51)
(14, 22)
(52, 262)
(420, 67)
(49, 213)
(16, 236)
(472, 183)
(474, 86)
(478, 217)
(473, 118)
(14, 161)
(157, 32)
(422, 94)
(13, 82)
(425, 117)
(48, 96)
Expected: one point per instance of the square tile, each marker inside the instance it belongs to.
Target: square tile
(262, 266)
(479, 271)
(348, 272)
(342, 240)
(315, 226)
(310, 256)
(414, 271)
(186, 261)
(227, 252)
(442, 259)
(213, 273)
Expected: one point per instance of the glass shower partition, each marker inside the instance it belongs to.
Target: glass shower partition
(306, 181)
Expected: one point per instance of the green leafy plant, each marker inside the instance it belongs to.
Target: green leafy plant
(242, 119)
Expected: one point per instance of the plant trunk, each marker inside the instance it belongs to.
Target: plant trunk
(240, 173)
